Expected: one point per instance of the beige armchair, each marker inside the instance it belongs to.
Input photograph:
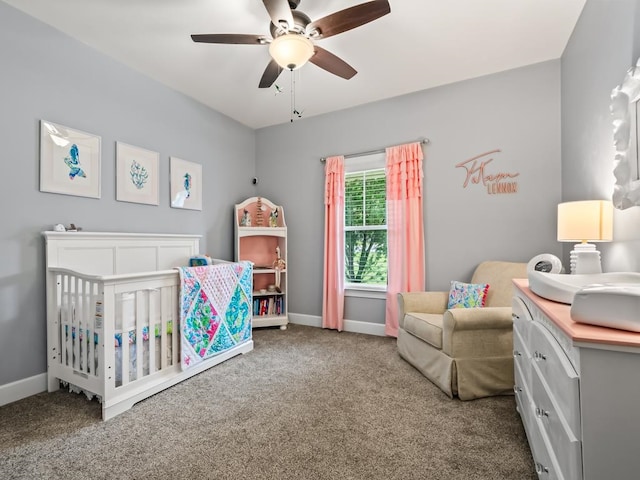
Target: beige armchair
(466, 352)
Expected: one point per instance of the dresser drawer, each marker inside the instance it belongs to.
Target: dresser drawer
(524, 402)
(554, 368)
(522, 319)
(566, 447)
(541, 449)
(544, 460)
(522, 358)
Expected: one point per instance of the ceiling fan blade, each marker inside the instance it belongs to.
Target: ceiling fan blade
(279, 11)
(271, 73)
(332, 64)
(348, 18)
(233, 38)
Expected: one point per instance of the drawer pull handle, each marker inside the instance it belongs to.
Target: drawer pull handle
(516, 353)
(539, 356)
(540, 469)
(541, 412)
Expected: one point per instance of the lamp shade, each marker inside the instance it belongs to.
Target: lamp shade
(585, 221)
(291, 50)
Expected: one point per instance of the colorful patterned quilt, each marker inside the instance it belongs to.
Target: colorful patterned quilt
(215, 309)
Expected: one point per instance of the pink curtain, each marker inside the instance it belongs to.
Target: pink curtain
(333, 281)
(405, 231)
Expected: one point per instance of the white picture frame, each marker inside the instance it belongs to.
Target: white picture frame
(69, 161)
(186, 184)
(137, 175)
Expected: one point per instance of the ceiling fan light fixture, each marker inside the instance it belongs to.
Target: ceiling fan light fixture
(291, 51)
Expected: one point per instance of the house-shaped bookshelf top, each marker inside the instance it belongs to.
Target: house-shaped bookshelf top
(261, 213)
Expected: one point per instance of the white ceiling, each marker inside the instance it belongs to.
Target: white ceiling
(420, 44)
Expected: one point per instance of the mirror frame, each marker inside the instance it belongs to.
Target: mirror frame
(624, 98)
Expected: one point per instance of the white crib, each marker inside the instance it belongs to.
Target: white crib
(113, 330)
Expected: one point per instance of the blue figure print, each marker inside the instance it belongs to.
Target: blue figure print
(73, 162)
(187, 184)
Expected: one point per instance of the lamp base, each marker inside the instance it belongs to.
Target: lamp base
(585, 258)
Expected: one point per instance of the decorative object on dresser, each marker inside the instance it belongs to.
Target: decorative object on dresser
(583, 222)
(266, 248)
(577, 391)
(465, 351)
(545, 262)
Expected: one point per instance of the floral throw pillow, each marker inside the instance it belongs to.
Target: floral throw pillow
(467, 295)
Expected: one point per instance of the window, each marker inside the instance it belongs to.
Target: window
(365, 226)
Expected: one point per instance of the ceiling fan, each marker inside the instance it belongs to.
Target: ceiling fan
(292, 35)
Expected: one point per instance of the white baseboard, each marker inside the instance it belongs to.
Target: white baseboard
(354, 326)
(12, 392)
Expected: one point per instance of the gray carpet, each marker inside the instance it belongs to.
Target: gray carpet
(306, 403)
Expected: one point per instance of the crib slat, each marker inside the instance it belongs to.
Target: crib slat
(151, 308)
(93, 312)
(106, 341)
(76, 321)
(72, 314)
(164, 309)
(68, 324)
(58, 326)
(87, 325)
(140, 323)
(97, 329)
(173, 302)
(83, 337)
(124, 349)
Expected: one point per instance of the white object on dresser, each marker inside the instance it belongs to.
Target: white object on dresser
(261, 238)
(561, 287)
(577, 391)
(608, 305)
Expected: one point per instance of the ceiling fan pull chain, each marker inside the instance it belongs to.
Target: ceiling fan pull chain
(294, 109)
(293, 93)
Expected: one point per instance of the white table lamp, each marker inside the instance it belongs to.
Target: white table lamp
(585, 221)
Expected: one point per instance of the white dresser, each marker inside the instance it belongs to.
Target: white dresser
(577, 391)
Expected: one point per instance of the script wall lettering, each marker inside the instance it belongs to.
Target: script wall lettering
(479, 174)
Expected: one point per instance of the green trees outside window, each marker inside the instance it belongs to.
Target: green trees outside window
(366, 227)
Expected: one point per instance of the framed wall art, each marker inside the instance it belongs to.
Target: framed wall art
(186, 184)
(136, 174)
(69, 161)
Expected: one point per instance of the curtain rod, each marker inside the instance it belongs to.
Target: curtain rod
(423, 141)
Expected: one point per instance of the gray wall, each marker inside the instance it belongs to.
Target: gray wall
(47, 75)
(517, 111)
(604, 45)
